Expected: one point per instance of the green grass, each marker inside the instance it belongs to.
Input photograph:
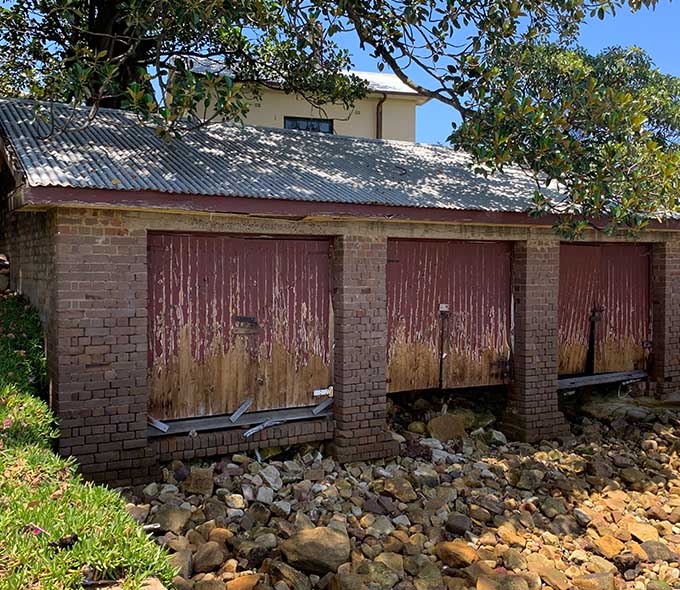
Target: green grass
(42, 499)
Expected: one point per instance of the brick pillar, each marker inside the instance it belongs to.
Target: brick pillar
(532, 412)
(665, 366)
(360, 308)
(99, 345)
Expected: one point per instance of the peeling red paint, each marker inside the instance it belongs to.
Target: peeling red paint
(473, 279)
(613, 281)
(233, 317)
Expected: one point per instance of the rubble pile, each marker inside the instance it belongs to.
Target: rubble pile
(460, 508)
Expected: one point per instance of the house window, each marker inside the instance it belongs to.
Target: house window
(308, 124)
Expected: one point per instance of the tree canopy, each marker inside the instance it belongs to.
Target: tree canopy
(602, 129)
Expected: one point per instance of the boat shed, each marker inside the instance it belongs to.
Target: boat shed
(243, 287)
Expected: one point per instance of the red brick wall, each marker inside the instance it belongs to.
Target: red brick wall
(90, 268)
(532, 411)
(666, 317)
(29, 247)
(99, 378)
(360, 308)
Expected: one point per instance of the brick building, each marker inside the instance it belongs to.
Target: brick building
(251, 278)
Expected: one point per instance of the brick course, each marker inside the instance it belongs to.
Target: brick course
(532, 411)
(665, 365)
(360, 308)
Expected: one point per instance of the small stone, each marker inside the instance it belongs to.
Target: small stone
(172, 518)
(599, 581)
(458, 523)
(417, 427)
(265, 495)
(246, 582)
(152, 583)
(208, 557)
(394, 561)
(271, 475)
(380, 527)
(632, 475)
(401, 489)
(138, 512)
(183, 562)
(282, 572)
(200, 481)
(582, 517)
(496, 438)
(641, 531)
(347, 582)
(658, 551)
(501, 581)
(608, 546)
(530, 479)
(514, 560)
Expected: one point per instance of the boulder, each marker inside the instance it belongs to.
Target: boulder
(172, 518)
(208, 557)
(200, 481)
(456, 554)
(318, 550)
(446, 427)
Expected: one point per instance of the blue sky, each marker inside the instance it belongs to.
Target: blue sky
(656, 31)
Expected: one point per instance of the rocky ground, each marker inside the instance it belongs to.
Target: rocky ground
(460, 508)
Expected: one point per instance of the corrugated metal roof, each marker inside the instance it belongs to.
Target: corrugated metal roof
(114, 152)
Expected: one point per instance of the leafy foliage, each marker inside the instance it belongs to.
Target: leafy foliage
(140, 55)
(603, 129)
(42, 499)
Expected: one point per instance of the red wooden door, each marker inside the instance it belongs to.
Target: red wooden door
(448, 312)
(604, 307)
(232, 317)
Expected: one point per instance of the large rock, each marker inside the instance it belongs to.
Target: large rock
(608, 546)
(282, 572)
(456, 554)
(182, 562)
(246, 582)
(200, 481)
(401, 489)
(172, 518)
(208, 557)
(446, 427)
(318, 550)
(658, 551)
(599, 581)
(502, 581)
(347, 582)
(547, 571)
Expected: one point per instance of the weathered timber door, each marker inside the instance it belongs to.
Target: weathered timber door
(232, 317)
(604, 308)
(448, 313)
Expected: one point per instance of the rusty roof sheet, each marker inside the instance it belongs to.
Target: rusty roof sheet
(115, 152)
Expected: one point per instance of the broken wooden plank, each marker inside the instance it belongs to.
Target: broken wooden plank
(241, 410)
(157, 424)
(260, 427)
(322, 406)
(602, 378)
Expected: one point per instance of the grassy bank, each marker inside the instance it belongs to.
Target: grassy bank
(56, 531)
